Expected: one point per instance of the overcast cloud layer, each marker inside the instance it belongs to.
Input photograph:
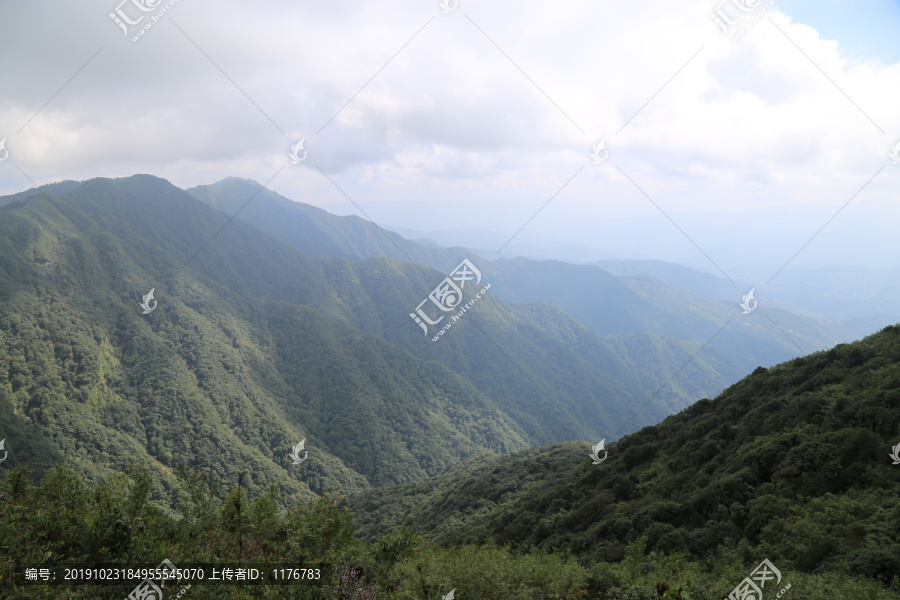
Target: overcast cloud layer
(475, 118)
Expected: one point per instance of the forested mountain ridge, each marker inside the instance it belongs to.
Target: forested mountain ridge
(316, 231)
(255, 345)
(791, 463)
(215, 376)
(198, 382)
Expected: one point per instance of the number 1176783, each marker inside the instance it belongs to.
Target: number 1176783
(294, 574)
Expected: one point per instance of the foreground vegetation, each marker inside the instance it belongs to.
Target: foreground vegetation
(792, 461)
(62, 520)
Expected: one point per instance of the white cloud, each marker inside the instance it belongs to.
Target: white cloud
(450, 118)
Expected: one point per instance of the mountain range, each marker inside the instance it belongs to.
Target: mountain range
(256, 344)
(147, 329)
(609, 297)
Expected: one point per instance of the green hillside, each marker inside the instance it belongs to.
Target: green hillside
(213, 377)
(791, 463)
(256, 345)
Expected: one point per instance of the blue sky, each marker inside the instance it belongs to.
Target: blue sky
(867, 29)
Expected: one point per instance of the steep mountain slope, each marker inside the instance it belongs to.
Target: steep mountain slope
(662, 364)
(791, 463)
(255, 345)
(209, 378)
